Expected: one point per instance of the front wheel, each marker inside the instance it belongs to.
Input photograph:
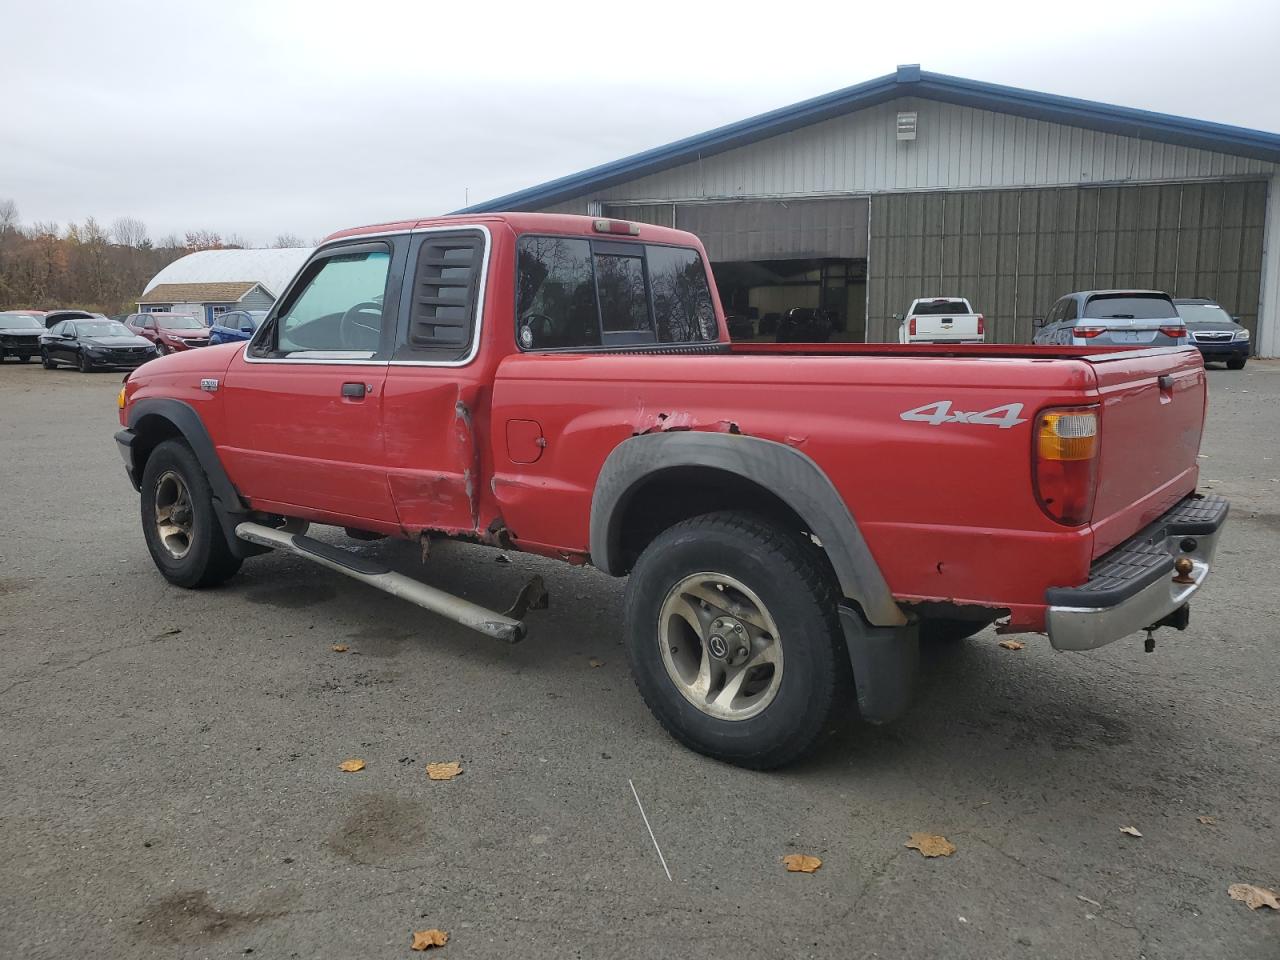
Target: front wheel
(178, 520)
(23, 357)
(84, 364)
(1236, 363)
(734, 639)
(46, 361)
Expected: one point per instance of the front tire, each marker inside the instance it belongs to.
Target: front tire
(84, 364)
(23, 358)
(178, 520)
(46, 361)
(1237, 363)
(734, 639)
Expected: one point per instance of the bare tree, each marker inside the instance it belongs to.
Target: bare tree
(170, 241)
(287, 240)
(204, 240)
(129, 232)
(8, 216)
(235, 242)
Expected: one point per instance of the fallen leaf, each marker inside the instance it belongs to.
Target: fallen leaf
(931, 845)
(1253, 897)
(444, 771)
(1207, 821)
(351, 766)
(340, 648)
(596, 663)
(1012, 644)
(1131, 831)
(426, 939)
(801, 863)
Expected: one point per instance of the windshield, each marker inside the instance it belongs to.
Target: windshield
(20, 321)
(179, 322)
(101, 328)
(1200, 313)
(929, 308)
(1130, 306)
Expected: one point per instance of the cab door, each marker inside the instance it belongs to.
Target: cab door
(436, 402)
(304, 400)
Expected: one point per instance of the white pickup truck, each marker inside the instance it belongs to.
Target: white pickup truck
(942, 320)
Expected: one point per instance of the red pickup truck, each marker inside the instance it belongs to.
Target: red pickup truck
(791, 517)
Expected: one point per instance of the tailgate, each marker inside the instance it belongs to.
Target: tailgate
(943, 327)
(1153, 406)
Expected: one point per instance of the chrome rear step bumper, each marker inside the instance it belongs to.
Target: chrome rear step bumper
(1137, 585)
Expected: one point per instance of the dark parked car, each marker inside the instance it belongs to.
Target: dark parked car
(170, 332)
(236, 325)
(1113, 318)
(93, 343)
(20, 335)
(804, 325)
(57, 316)
(1215, 332)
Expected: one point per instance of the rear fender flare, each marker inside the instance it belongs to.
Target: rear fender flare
(784, 470)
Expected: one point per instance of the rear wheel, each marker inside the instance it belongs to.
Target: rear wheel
(1237, 363)
(178, 520)
(734, 639)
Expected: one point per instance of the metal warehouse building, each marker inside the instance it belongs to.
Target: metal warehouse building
(919, 184)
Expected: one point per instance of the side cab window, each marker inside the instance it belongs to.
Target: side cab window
(337, 308)
(580, 293)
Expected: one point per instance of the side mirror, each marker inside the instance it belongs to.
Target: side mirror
(1037, 321)
(898, 317)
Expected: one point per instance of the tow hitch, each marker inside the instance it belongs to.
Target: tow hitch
(508, 627)
(1179, 620)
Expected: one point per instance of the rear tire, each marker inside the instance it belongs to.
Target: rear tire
(1237, 363)
(796, 671)
(178, 520)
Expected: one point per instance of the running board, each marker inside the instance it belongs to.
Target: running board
(489, 622)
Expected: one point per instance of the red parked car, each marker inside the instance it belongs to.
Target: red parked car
(170, 332)
(790, 516)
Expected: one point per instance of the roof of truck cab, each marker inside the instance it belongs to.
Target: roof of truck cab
(565, 223)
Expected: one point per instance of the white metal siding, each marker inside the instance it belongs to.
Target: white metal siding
(956, 148)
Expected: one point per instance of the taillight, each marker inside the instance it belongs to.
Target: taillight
(1065, 468)
(911, 327)
(982, 324)
(1174, 331)
(1089, 332)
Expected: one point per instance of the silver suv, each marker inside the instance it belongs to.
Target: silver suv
(1113, 318)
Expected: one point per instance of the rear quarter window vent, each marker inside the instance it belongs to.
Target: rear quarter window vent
(445, 295)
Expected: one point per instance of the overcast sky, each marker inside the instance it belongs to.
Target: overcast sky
(269, 116)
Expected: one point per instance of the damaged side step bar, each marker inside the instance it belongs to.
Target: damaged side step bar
(499, 626)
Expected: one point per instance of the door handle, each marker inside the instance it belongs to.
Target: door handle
(355, 390)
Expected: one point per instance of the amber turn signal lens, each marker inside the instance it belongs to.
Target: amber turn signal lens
(1068, 435)
(120, 399)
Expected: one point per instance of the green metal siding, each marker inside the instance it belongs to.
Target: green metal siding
(1014, 252)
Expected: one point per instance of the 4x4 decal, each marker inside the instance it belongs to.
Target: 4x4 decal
(940, 412)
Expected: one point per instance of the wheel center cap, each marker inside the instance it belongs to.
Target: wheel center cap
(728, 640)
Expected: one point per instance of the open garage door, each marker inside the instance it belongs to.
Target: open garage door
(773, 256)
(1012, 253)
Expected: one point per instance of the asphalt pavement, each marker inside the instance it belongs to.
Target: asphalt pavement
(169, 781)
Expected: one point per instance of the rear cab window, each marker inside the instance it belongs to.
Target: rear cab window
(580, 293)
(1130, 306)
(928, 308)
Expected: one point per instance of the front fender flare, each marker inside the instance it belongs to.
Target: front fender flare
(227, 505)
(784, 470)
